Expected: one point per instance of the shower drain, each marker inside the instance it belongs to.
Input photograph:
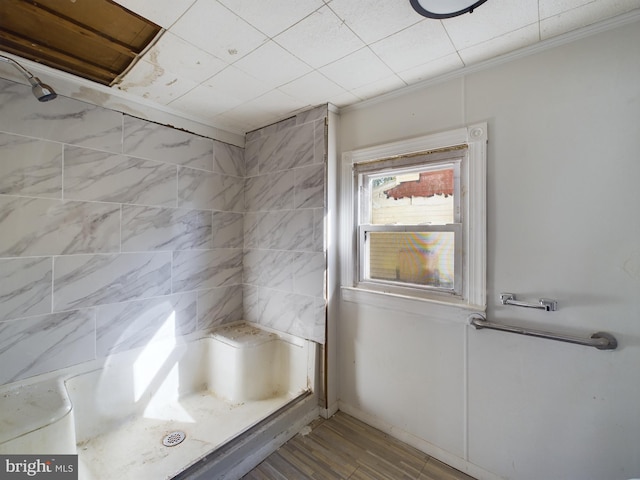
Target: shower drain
(174, 438)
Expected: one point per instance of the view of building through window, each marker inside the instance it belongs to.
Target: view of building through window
(418, 196)
(421, 197)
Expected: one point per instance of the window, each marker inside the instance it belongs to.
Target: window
(409, 223)
(414, 222)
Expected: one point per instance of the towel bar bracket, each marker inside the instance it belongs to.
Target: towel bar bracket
(545, 304)
(611, 342)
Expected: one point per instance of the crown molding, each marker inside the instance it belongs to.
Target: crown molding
(548, 44)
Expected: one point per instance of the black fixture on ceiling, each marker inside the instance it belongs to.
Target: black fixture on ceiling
(444, 8)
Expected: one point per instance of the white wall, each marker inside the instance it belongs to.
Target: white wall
(563, 223)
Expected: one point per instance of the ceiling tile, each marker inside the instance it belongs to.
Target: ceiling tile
(162, 12)
(268, 108)
(549, 8)
(155, 83)
(319, 39)
(357, 69)
(373, 20)
(235, 124)
(432, 69)
(379, 87)
(237, 84)
(274, 16)
(217, 30)
(500, 45)
(273, 65)
(205, 102)
(584, 15)
(416, 45)
(174, 54)
(314, 88)
(242, 64)
(491, 20)
(343, 99)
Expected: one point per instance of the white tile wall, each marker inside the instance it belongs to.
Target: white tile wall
(218, 306)
(35, 345)
(57, 227)
(114, 229)
(66, 120)
(272, 191)
(156, 142)
(202, 269)
(152, 228)
(284, 261)
(228, 159)
(30, 167)
(25, 289)
(92, 175)
(124, 326)
(210, 190)
(92, 195)
(89, 280)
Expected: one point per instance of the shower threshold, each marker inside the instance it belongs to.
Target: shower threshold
(135, 450)
(240, 454)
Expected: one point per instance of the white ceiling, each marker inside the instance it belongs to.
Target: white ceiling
(241, 64)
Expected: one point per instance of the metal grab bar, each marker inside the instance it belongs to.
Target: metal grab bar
(545, 304)
(599, 340)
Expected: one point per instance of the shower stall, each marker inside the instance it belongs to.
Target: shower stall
(131, 416)
(163, 294)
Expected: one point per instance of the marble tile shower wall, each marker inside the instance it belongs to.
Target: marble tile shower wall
(284, 257)
(113, 231)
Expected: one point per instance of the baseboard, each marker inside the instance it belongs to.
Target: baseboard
(417, 442)
(330, 411)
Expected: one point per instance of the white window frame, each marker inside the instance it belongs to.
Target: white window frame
(473, 204)
(363, 171)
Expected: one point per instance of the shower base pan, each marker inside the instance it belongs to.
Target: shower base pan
(135, 450)
(154, 412)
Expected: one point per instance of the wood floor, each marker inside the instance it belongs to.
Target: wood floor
(343, 447)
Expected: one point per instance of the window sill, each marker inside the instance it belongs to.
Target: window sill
(406, 304)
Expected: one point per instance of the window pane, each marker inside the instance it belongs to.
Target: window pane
(421, 258)
(420, 197)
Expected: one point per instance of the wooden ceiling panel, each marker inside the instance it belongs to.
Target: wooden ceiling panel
(94, 39)
(108, 19)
